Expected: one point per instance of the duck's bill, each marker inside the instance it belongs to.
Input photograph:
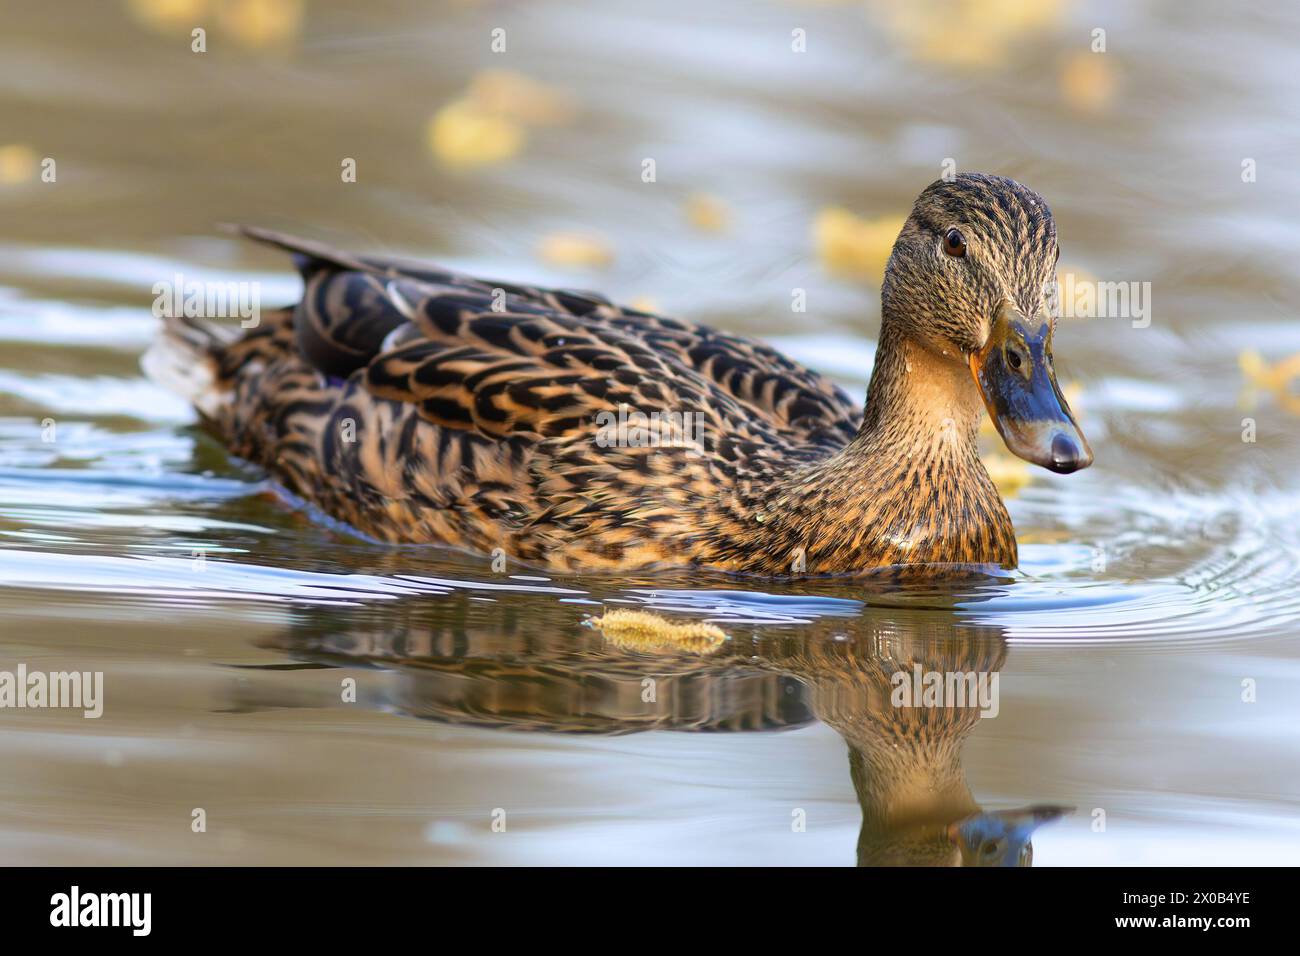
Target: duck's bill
(1021, 394)
(1002, 837)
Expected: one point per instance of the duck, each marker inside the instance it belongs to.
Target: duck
(418, 405)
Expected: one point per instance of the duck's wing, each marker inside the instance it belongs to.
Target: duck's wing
(502, 358)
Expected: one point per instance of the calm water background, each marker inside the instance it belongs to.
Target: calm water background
(226, 619)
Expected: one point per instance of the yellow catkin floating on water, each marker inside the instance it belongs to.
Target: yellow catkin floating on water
(490, 123)
(1088, 82)
(1077, 292)
(642, 630)
(250, 23)
(1271, 377)
(463, 134)
(261, 23)
(969, 34)
(707, 213)
(1276, 379)
(1009, 474)
(575, 250)
(167, 16)
(850, 246)
(18, 164)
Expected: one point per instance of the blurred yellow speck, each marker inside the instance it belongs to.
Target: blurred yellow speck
(643, 303)
(462, 134)
(707, 213)
(167, 16)
(249, 23)
(1088, 82)
(489, 123)
(1252, 366)
(18, 164)
(520, 98)
(1072, 273)
(965, 33)
(575, 250)
(1073, 393)
(1009, 474)
(261, 23)
(853, 247)
(1276, 378)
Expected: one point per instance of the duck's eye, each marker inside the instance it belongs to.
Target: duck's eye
(954, 243)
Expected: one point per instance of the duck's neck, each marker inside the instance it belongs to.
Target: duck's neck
(904, 748)
(917, 396)
(909, 789)
(908, 489)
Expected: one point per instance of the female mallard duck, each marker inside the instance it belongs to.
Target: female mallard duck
(418, 405)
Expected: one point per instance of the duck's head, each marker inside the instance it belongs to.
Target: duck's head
(970, 277)
(1002, 837)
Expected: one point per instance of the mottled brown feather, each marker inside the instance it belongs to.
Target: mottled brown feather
(420, 405)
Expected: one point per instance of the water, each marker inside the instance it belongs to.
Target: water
(1157, 589)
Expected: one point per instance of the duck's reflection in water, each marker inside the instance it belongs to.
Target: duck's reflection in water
(891, 686)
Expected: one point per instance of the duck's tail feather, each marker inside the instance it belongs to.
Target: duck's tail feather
(183, 359)
(308, 255)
